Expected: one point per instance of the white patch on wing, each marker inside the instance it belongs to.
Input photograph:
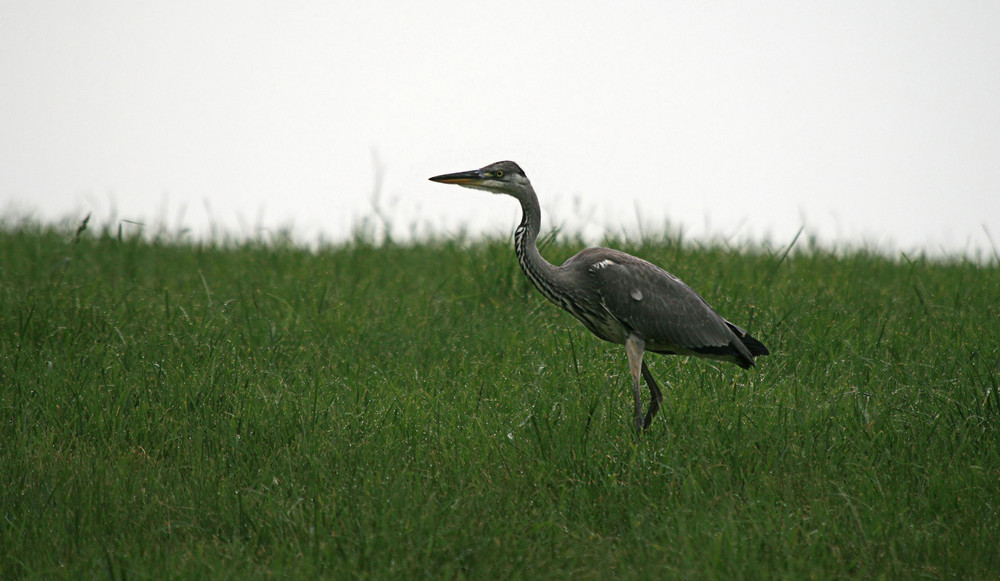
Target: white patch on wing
(636, 294)
(602, 264)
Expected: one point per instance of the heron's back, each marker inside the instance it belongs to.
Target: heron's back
(624, 294)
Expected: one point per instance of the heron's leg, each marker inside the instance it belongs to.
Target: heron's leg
(655, 396)
(634, 346)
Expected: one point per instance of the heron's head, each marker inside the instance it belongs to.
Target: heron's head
(502, 177)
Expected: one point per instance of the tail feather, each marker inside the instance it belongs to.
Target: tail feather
(755, 347)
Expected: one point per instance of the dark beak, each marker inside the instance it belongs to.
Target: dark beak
(461, 178)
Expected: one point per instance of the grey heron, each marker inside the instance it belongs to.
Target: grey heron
(620, 298)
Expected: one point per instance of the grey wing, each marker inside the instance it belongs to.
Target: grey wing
(668, 314)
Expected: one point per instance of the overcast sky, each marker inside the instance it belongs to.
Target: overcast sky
(859, 120)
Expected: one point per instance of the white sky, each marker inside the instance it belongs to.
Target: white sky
(861, 120)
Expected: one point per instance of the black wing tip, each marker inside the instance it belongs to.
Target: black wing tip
(755, 347)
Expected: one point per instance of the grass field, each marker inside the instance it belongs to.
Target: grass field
(240, 411)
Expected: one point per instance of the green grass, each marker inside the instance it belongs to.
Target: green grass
(236, 411)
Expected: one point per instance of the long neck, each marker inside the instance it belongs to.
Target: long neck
(544, 275)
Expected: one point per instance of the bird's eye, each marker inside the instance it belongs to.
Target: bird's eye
(499, 173)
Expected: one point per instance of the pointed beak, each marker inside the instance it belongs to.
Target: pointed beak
(462, 178)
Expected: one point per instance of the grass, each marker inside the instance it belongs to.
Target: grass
(246, 410)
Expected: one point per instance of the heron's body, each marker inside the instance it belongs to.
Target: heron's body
(635, 296)
(620, 298)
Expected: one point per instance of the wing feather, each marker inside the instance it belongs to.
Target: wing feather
(668, 314)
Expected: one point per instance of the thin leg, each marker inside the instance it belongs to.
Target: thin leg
(655, 396)
(634, 346)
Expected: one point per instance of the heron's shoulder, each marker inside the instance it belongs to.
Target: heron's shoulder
(596, 260)
(590, 256)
